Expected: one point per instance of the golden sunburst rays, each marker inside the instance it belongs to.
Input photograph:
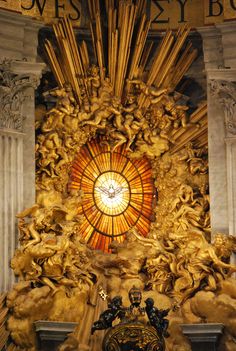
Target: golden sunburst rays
(123, 56)
(128, 52)
(196, 133)
(118, 193)
(69, 63)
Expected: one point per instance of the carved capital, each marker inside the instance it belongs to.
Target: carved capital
(226, 93)
(12, 95)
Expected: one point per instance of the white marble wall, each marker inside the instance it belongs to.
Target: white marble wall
(19, 36)
(20, 74)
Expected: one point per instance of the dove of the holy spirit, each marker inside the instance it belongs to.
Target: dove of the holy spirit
(111, 191)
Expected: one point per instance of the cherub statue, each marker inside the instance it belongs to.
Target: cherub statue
(184, 196)
(103, 114)
(105, 91)
(94, 80)
(156, 318)
(148, 90)
(65, 98)
(224, 246)
(108, 316)
(118, 137)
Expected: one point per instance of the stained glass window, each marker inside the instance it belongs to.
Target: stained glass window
(118, 193)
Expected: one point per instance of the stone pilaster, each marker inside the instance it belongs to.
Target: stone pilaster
(212, 47)
(19, 77)
(231, 180)
(31, 73)
(11, 202)
(228, 39)
(219, 46)
(217, 162)
(214, 63)
(224, 89)
(17, 174)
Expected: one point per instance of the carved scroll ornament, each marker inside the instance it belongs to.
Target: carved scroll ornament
(12, 95)
(226, 91)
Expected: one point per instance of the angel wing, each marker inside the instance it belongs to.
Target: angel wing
(111, 192)
(120, 190)
(103, 190)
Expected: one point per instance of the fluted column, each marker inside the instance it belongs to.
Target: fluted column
(214, 63)
(17, 172)
(217, 161)
(19, 76)
(219, 46)
(223, 87)
(231, 166)
(11, 178)
(227, 98)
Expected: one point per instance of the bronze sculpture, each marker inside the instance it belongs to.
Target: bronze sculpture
(130, 331)
(156, 318)
(108, 316)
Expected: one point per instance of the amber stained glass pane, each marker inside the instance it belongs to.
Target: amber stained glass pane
(118, 193)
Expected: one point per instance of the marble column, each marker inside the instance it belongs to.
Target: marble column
(223, 87)
(19, 76)
(231, 180)
(226, 93)
(11, 176)
(217, 161)
(214, 62)
(219, 47)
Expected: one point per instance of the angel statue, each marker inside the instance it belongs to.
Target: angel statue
(106, 318)
(156, 318)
